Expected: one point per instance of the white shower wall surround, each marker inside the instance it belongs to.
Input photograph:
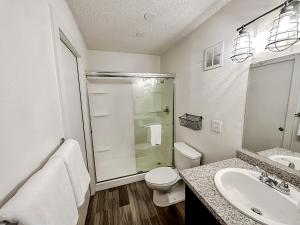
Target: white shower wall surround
(122, 109)
(111, 109)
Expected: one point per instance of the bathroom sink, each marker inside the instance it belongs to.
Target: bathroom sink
(242, 189)
(286, 160)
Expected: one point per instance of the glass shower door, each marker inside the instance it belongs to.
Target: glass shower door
(153, 122)
(132, 124)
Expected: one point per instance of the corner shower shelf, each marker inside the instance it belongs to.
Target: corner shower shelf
(141, 117)
(101, 114)
(98, 92)
(102, 148)
(145, 147)
(155, 111)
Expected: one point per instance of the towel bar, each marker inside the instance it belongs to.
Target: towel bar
(61, 141)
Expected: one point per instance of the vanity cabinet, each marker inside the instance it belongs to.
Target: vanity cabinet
(195, 212)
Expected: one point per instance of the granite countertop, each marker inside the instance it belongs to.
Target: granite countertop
(201, 181)
(278, 151)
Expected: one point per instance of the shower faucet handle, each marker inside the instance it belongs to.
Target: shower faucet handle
(166, 109)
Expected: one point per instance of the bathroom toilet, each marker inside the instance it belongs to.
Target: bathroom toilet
(166, 183)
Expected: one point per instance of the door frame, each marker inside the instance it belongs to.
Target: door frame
(294, 95)
(60, 33)
(64, 40)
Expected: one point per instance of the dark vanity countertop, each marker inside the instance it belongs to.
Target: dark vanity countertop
(201, 181)
(278, 151)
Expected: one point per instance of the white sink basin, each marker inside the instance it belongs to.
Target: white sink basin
(285, 160)
(245, 192)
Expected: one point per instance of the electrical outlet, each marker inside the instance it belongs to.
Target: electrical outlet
(216, 126)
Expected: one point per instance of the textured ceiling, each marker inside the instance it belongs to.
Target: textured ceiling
(112, 25)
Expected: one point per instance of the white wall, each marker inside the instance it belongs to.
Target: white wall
(30, 115)
(219, 93)
(122, 62)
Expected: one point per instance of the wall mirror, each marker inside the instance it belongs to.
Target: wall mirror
(272, 113)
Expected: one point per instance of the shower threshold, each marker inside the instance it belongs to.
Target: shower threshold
(120, 181)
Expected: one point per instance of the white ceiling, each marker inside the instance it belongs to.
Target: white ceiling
(112, 25)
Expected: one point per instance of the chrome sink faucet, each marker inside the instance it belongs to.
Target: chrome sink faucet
(291, 164)
(280, 186)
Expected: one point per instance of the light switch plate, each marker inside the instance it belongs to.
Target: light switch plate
(216, 126)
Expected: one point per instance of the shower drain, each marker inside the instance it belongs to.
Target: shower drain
(257, 211)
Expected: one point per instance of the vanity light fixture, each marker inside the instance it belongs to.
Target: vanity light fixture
(284, 32)
(242, 48)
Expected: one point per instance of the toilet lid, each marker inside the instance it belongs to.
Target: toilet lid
(161, 175)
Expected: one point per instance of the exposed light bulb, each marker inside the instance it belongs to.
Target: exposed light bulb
(242, 48)
(285, 30)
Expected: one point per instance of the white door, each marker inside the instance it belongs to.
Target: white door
(70, 97)
(295, 144)
(267, 104)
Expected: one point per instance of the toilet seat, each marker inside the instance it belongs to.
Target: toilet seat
(162, 176)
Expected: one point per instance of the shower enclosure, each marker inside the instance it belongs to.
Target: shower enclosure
(131, 121)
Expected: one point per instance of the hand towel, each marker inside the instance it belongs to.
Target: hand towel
(155, 134)
(70, 153)
(47, 198)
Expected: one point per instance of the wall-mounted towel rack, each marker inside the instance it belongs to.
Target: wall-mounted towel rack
(13, 192)
(150, 124)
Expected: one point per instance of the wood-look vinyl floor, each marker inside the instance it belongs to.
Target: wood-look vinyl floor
(131, 205)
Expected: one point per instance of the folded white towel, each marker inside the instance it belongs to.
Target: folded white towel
(71, 154)
(46, 198)
(155, 134)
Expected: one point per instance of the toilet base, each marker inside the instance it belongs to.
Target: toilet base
(164, 199)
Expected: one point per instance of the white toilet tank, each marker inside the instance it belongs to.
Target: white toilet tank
(185, 156)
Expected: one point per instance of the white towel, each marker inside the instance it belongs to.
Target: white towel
(46, 198)
(155, 134)
(71, 154)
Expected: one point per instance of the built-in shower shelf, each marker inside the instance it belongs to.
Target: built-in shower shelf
(156, 111)
(142, 117)
(145, 147)
(98, 92)
(101, 114)
(103, 148)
